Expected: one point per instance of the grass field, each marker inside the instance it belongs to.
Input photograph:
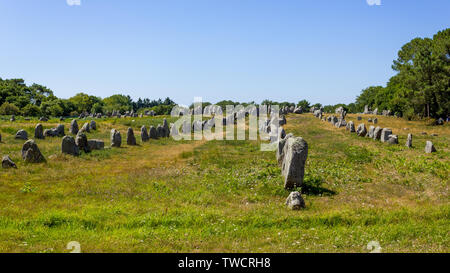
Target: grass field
(228, 196)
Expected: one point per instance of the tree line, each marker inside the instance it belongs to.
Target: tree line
(16, 98)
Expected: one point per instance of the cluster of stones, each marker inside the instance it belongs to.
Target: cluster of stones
(376, 133)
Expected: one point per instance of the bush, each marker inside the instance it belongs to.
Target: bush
(9, 109)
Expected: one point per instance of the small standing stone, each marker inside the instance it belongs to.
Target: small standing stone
(144, 134)
(116, 139)
(82, 142)
(361, 130)
(93, 125)
(293, 168)
(8, 163)
(73, 127)
(153, 133)
(377, 133)
(60, 130)
(409, 141)
(131, 139)
(68, 146)
(21, 134)
(429, 147)
(295, 201)
(31, 152)
(385, 133)
(39, 131)
(393, 139)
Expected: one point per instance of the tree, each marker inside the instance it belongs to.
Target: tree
(9, 109)
(304, 104)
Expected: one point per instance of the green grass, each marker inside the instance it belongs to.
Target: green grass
(226, 196)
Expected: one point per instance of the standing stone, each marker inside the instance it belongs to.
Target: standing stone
(350, 127)
(429, 147)
(39, 131)
(131, 139)
(0, 137)
(280, 148)
(68, 146)
(31, 152)
(371, 131)
(21, 134)
(375, 120)
(153, 133)
(144, 134)
(82, 142)
(73, 127)
(361, 130)
(377, 133)
(295, 201)
(8, 163)
(93, 125)
(50, 132)
(160, 130)
(393, 139)
(116, 139)
(86, 128)
(166, 128)
(409, 141)
(385, 133)
(13, 118)
(293, 168)
(60, 130)
(359, 118)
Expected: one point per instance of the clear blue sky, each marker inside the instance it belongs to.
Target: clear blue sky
(245, 50)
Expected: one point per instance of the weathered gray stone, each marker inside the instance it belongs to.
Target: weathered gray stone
(166, 129)
(153, 133)
(44, 119)
(371, 131)
(50, 132)
(82, 142)
(409, 141)
(280, 148)
(393, 139)
(39, 131)
(86, 128)
(144, 134)
(131, 139)
(73, 129)
(8, 163)
(359, 118)
(293, 167)
(93, 125)
(377, 133)
(429, 147)
(375, 121)
(160, 131)
(361, 130)
(298, 110)
(295, 201)
(96, 144)
(60, 130)
(116, 138)
(350, 127)
(68, 146)
(31, 152)
(21, 134)
(385, 133)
